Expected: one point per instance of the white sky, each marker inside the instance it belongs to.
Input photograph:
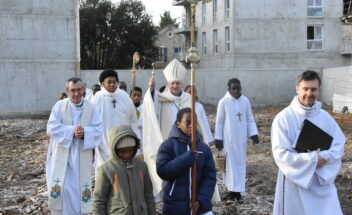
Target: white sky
(157, 7)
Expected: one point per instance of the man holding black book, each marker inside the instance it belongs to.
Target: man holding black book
(305, 182)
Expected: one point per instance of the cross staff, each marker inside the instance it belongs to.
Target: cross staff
(193, 58)
(136, 58)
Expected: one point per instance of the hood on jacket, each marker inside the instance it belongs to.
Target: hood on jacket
(116, 133)
(175, 132)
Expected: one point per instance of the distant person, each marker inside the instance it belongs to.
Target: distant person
(115, 108)
(137, 101)
(208, 137)
(88, 93)
(234, 124)
(96, 88)
(62, 96)
(305, 182)
(123, 184)
(174, 162)
(123, 86)
(74, 128)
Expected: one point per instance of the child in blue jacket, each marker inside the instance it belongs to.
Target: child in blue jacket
(174, 161)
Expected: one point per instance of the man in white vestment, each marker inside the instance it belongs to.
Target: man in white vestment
(305, 182)
(115, 108)
(234, 124)
(75, 128)
(159, 115)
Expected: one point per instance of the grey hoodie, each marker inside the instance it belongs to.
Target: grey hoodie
(123, 186)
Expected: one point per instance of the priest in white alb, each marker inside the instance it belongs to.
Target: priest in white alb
(75, 128)
(305, 182)
(234, 124)
(159, 115)
(115, 108)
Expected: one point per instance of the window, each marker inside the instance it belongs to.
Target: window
(347, 7)
(315, 8)
(177, 50)
(203, 13)
(227, 9)
(204, 43)
(160, 54)
(169, 34)
(215, 11)
(165, 55)
(227, 39)
(215, 41)
(315, 37)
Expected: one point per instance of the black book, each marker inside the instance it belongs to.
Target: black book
(312, 138)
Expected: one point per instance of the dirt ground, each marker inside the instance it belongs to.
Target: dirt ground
(23, 147)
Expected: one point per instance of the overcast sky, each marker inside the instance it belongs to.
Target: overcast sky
(157, 7)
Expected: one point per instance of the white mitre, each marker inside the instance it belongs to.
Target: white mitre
(175, 71)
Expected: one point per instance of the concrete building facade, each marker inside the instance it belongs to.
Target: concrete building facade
(271, 34)
(39, 50)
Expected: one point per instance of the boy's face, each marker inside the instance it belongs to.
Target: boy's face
(137, 97)
(110, 84)
(185, 124)
(235, 90)
(125, 153)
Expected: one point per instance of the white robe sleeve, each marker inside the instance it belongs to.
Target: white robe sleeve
(102, 148)
(299, 168)
(220, 121)
(251, 126)
(327, 174)
(203, 123)
(134, 119)
(92, 133)
(58, 132)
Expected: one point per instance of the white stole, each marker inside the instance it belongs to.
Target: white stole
(60, 161)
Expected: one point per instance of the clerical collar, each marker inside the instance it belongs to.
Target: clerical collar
(105, 92)
(80, 104)
(303, 110)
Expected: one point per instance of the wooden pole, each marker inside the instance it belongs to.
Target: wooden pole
(136, 58)
(193, 58)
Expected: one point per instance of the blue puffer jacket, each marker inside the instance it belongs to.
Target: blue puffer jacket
(174, 161)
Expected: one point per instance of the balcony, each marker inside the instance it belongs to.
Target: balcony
(346, 45)
(180, 2)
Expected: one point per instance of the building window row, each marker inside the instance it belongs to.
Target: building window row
(227, 40)
(227, 11)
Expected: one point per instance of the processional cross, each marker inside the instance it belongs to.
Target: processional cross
(113, 102)
(193, 58)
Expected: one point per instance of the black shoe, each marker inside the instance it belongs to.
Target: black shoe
(238, 197)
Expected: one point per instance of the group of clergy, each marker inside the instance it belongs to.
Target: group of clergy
(76, 126)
